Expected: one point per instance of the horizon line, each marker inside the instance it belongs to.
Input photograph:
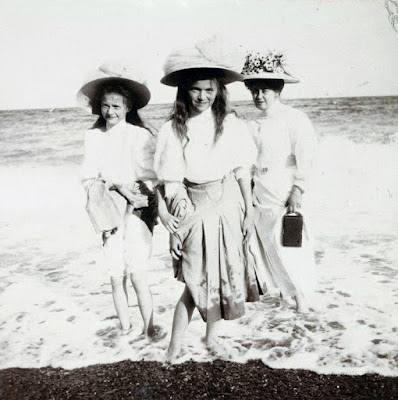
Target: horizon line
(171, 103)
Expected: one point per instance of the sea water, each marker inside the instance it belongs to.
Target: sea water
(55, 299)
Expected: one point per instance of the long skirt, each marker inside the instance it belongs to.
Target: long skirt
(288, 270)
(213, 261)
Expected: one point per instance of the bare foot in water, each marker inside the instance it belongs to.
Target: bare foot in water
(217, 349)
(173, 354)
(155, 334)
(283, 301)
(125, 332)
(149, 330)
(301, 305)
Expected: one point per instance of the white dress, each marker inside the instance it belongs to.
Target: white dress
(203, 174)
(286, 145)
(123, 155)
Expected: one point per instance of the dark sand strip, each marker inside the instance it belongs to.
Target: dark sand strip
(191, 380)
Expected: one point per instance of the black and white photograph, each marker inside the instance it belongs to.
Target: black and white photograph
(198, 199)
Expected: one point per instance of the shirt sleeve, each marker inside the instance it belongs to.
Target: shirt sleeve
(169, 164)
(305, 149)
(90, 169)
(145, 157)
(245, 150)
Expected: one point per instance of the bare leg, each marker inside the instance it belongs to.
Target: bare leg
(120, 301)
(145, 303)
(211, 333)
(126, 290)
(182, 317)
(214, 346)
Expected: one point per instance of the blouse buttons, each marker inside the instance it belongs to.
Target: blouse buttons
(263, 170)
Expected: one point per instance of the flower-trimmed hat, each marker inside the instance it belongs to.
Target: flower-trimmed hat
(269, 65)
(203, 60)
(114, 72)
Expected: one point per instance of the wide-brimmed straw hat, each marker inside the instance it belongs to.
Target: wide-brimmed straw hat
(267, 65)
(204, 60)
(117, 72)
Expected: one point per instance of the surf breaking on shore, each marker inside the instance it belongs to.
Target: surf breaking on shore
(56, 303)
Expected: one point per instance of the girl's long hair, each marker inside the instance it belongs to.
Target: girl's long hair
(182, 108)
(132, 116)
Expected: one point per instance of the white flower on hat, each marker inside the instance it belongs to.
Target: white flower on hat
(270, 64)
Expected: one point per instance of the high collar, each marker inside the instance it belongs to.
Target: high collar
(205, 116)
(119, 127)
(274, 110)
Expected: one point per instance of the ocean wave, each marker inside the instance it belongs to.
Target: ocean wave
(55, 297)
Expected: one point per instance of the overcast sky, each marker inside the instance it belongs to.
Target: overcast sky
(339, 48)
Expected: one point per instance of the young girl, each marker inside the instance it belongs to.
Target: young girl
(118, 176)
(286, 142)
(203, 156)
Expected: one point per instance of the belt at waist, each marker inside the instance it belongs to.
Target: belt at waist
(207, 185)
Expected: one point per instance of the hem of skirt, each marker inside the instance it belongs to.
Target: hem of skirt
(217, 316)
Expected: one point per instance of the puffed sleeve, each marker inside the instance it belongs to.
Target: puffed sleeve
(145, 157)
(244, 156)
(89, 169)
(304, 151)
(169, 163)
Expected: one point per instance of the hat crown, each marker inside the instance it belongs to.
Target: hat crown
(114, 71)
(209, 53)
(111, 72)
(270, 64)
(270, 61)
(121, 69)
(213, 50)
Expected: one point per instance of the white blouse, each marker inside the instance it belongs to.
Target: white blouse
(286, 142)
(197, 158)
(121, 155)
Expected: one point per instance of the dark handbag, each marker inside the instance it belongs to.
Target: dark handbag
(292, 230)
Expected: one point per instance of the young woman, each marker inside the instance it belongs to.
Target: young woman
(286, 148)
(118, 177)
(203, 157)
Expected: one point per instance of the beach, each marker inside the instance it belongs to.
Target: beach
(58, 325)
(191, 380)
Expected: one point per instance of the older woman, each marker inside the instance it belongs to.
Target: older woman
(203, 156)
(118, 176)
(286, 148)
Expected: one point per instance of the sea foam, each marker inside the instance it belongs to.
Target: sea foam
(55, 298)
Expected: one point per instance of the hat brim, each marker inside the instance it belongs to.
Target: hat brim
(89, 91)
(178, 78)
(269, 75)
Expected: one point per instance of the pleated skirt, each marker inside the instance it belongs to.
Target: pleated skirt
(213, 262)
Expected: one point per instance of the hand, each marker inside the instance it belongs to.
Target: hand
(136, 200)
(106, 235)
(293, 202)
(181, 209)
(248, 226)
(169, 221)
(175, 247)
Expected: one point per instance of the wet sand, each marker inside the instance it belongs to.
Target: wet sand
(190, 380)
